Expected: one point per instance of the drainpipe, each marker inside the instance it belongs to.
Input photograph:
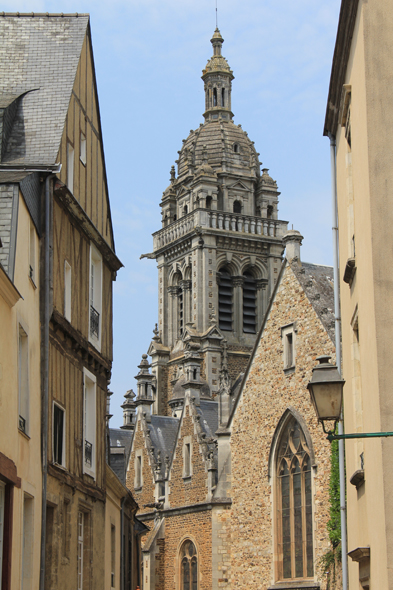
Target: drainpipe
(45, 373)
(337, 316)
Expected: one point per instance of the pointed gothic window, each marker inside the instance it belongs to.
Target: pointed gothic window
(249, 304)
(188, 566)
(294, 508)
(223, 97)
(225, 296)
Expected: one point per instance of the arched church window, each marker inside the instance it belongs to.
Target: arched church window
(223, 97)
(249, 303)
(208, 202)
(185, 209)
(237, 207)
(236, 148)
(225, 296)
(269, 211)
(188, 566)
(294, 504)
(214, 97)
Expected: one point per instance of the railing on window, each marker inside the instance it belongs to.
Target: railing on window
(22, 424)
(88, 453)
(94, 322)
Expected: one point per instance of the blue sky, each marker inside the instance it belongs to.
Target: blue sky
(149, 57)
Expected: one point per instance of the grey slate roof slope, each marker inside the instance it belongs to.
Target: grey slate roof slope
(317, 282)
(163, 432)
(120, 440)
(208, 411)
(39, 57)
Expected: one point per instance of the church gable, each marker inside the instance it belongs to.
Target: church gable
(188, 482)
(140, 472)
(274, 403)
(81, 150)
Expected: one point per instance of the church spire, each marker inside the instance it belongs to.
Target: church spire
(217, 77)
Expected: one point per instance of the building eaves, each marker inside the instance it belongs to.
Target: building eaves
(346, 25)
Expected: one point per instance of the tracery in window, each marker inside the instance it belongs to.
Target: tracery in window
(188, 566)
(294, 505)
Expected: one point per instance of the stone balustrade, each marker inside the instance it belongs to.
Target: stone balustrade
(219, 220)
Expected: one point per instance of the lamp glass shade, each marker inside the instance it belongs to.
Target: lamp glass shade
(327, 399)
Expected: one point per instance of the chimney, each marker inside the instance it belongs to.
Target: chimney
(292, 242)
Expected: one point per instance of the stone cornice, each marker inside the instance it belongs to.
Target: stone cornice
(192, 508)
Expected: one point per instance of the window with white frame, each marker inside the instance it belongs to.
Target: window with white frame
(187, 453)
(70, 167)
(58, 435)
(95, 320)
(89, 424)
(113, 555)
(23, 380)
(81, 526)
(67, 291)
(138, 483)
(28, 542)
(82, 148)
(288, 335)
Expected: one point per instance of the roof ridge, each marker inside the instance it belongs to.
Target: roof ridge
(47, 14)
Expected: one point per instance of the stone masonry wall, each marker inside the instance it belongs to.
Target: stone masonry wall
(194, 489)
(267, 394)
(197, 527)
(146, 494)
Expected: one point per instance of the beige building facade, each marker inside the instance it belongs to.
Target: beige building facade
(20, 394)
(359, 121)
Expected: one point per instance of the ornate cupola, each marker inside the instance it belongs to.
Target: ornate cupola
(217, 77)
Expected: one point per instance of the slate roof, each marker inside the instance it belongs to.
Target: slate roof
(317, 282)
(120, 440)
(163, 432)
(39, 58)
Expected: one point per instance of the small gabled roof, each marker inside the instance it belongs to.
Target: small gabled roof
(120, 447)
(40, 56)
(163, 432)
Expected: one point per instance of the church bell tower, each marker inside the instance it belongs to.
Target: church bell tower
(220, 246)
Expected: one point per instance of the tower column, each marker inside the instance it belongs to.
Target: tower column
(172, 314)
(238, 306)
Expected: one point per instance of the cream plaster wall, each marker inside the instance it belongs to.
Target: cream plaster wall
(365, 184)
(23, 450)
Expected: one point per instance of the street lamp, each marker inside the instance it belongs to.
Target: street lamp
(326, 392)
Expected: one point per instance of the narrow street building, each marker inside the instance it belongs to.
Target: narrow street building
(359, 122)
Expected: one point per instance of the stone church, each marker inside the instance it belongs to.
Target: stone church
(220, 271)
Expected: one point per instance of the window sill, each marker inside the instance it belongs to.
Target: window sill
(289, 370)
(295, 585)
(32, 283)
(138, 489)
(59, 466)
(26, 436)
(82, 162)
(187, 478)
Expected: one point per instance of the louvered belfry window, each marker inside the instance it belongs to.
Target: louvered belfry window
(294, 505)
(249, 303)
(225, 300)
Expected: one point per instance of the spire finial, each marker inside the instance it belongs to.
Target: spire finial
(216, 16)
